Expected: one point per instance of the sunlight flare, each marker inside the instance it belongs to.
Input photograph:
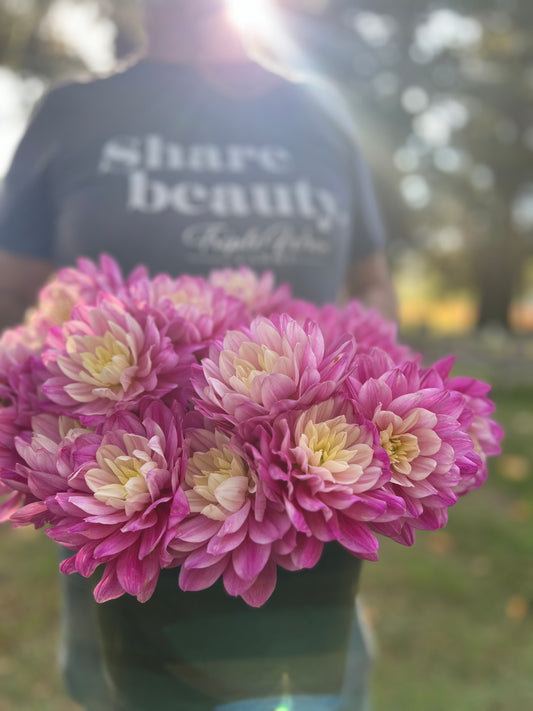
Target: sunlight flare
(250, 17)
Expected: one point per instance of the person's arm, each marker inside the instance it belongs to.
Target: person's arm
(370, 282)
(26, 216)
(369, 278)
(20, 280)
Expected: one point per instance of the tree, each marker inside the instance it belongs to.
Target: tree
(447, 108)
(25, 46)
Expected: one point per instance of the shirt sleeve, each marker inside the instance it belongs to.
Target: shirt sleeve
(370, 234)
(26, 214)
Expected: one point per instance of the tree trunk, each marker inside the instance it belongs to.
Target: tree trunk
(497, 272)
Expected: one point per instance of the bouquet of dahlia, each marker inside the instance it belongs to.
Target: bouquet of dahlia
(220, 426)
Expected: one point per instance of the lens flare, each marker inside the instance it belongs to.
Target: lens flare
(250, 16)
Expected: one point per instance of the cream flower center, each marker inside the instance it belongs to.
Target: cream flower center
(264, 361)
(58, 307)
(326, 444)
(401, 448)
(120, 481)
(107, 358)
(182, 297)
(332, 448)
(220, 481)
(240, 286)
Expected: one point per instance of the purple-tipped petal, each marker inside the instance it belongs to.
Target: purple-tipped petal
(263, 587)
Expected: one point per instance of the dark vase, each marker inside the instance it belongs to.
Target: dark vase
(202, 650)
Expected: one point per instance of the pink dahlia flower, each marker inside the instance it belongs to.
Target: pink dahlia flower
(106, 359)
(10, 501)
(192, 312)
(90, 280)
(124, 502)
(230, 530)
(56, 301)
(366, 325)
(74, 286)
(21, 377)
(43, 468)
(300, 310)
(273, 366)
(257, 292)
(476, 420)
(421, 432)
(485, 433)
(17, 347)
(13, 491)
(21, 374)
(328, 471)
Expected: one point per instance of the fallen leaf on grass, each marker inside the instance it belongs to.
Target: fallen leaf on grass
(514, 467)
(517, 608)
(440, 543)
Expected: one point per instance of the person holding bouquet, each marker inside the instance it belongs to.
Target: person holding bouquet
(191, 159)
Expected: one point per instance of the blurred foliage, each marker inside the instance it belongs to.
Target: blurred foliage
(446, 109)
(442, 97)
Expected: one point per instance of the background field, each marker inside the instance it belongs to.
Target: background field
(452, 615)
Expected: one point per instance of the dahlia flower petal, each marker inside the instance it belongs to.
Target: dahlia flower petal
(107, 519)
(10, 505)
(297, 518)
(397, 531)
(197, 529)
(202, 559)
(263, 587)
(319, 528)
(276, 388)
(222, 544)
(32, 514)
(372, 392)
(68, 565)
(191, 580)
(234, 522)
(233, 583)
(88, 504)
(115, 543)
(86, 563)
(431, 519)
(357, 538)
(309, 501)
(151, 538)
(308, 554)
(130, 571)
(263, 532)
(250, 558)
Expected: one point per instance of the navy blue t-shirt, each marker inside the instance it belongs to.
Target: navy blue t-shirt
(185, 172)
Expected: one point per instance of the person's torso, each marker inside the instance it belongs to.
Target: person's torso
(159, 166)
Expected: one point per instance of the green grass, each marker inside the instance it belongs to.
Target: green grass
(453, 615)
(29, 604)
